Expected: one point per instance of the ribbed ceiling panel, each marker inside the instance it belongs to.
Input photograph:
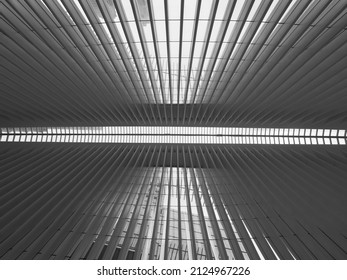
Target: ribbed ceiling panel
(169, 202)
(263, 63)
(257, 72)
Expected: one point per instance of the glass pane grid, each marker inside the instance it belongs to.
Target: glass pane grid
(176, 135)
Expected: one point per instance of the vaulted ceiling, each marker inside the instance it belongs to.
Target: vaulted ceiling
(266, 82)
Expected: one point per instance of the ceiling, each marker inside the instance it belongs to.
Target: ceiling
(227, 63)
(78, 68)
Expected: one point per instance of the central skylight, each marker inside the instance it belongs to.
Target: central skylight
(171, 52)
(176, 135)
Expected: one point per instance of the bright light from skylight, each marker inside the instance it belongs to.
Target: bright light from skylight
(173, 135)
(151, 40)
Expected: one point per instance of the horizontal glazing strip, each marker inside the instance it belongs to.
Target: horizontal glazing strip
(172, 138)
(176, 130)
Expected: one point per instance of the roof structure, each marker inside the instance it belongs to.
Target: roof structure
(159, 129)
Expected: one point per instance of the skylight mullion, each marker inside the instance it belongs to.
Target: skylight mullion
(241, 13)
(180, 69)
(157, 53)
(167, 28)
(147, 57)
(156, 14)
(135, 54)
(212, 64)
(131, 51)
(112, 56)
(191, 57)
(207, 36)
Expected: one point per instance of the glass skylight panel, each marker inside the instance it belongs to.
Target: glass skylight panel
(171, 134)
(333, 132)
(160, 64)
(342, 133)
